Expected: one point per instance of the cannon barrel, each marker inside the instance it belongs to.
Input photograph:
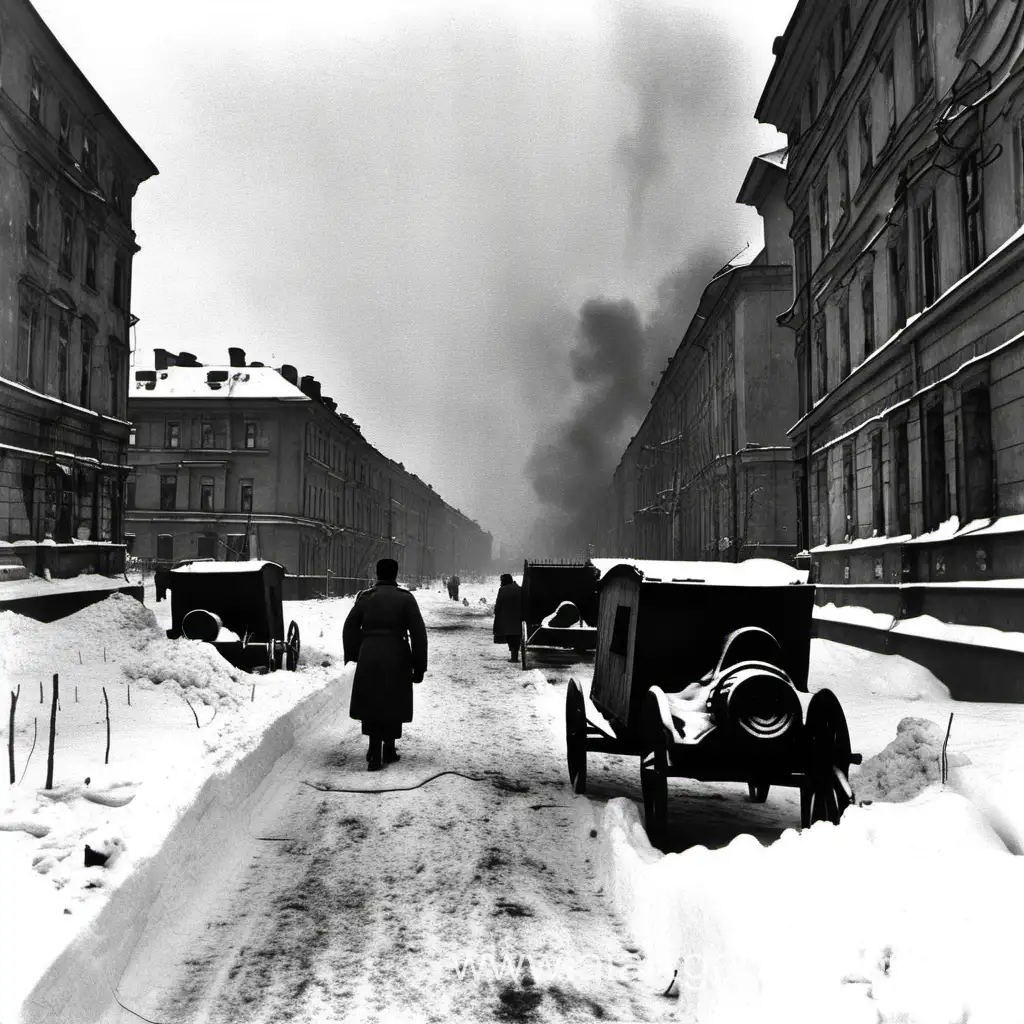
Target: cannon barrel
(199, 624)
(757, 701)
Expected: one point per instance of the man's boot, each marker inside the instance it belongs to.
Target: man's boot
(390, 754)
(374, 761)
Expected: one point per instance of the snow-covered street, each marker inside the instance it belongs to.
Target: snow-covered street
(255, 885)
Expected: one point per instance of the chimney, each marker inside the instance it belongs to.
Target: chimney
(330, 403)
(237, 356)
(310, 386)
(290, 374)
(255, 364)
(187, 359)
(160, 358)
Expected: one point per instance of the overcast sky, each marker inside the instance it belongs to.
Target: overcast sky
(420, 202)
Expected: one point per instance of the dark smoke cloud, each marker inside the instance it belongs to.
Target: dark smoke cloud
(616, 357)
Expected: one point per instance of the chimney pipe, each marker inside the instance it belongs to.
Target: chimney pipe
(237, 356)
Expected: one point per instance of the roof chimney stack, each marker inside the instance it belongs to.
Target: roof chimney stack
(310, 386)
(290, 374)
(187, 359)
(160, 358)
(237, 356)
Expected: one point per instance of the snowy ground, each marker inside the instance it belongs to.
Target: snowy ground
(246, 886)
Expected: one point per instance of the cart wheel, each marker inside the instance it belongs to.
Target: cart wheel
(654, 770)
(826, 792)
(522, 645)
(292, 647)
(758, 792)
(576, 736)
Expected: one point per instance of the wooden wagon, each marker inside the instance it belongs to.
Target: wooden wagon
(547, 586)
(701, 671)
(236, 606)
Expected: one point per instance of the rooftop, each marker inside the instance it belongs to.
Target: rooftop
(220, 382)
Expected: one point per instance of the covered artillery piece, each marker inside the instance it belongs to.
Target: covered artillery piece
(559, 607)
(209, 598)
(701, 671)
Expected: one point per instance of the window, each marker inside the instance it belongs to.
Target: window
(116, 380)
(206, 545)
(821, 486)
(898, 280)
(928, 251)
(62, 358)
(89, 155)
(250, 435)
(206, 434)
(129, 493)
(28, 332)
(843, 160)
(245, 495)
(849, 492)
(977, 423)
(820, 356)
(934, 443)
(34, 227)
(237, 547)
(35, 97)
(173, 435)
(129, 543)
(117, 194)
(165, 547)
(920, 48)
(619, 643)
(64, 137)
(168, 492)
(844, 337)
(84, 386)
(90, 259)
(889, 94)
(970, 200)
(845, 31)
(867, 153)
(67, 235)
(206, 494)
(823, 225)
(867, 307)
(877, 495)
(133, 436)
(117, 292)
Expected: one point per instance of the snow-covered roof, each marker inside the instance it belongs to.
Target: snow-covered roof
(242, 382)
(778, 157)
(194, 568)
(754, 572)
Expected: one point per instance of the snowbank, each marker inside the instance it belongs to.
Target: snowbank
(159, 760)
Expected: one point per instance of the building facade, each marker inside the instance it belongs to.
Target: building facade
(708, 475)
(68, 175)
(906, 184)
(245, 460)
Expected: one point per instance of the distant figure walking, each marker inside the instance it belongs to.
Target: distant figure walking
(508, 615)
(385, 636)
(453, 588)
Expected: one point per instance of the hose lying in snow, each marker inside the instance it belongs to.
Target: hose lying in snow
(392, 789)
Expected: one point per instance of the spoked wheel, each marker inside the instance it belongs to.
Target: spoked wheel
(826, 793)
(292, 647)
(522, 645)
(758, 792)
(654, 771)
(576, 736)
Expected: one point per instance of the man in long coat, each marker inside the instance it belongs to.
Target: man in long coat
(508, 615)
(385, 636)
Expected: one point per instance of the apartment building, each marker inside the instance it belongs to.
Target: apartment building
(68, 177)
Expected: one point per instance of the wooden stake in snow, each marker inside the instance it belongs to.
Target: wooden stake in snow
(76, 693)
(945, 743)
(40, 691)
(10, 732)
(252, 700)
(129, 695)
(106, 704)
(53, 732)
(79, 657)
(192, 709)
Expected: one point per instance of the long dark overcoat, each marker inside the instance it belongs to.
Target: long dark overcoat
(385, 636)
(508, 612)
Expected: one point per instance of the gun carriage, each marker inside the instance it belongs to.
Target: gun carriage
(548, 588)
(701, 671)
(236, 606)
